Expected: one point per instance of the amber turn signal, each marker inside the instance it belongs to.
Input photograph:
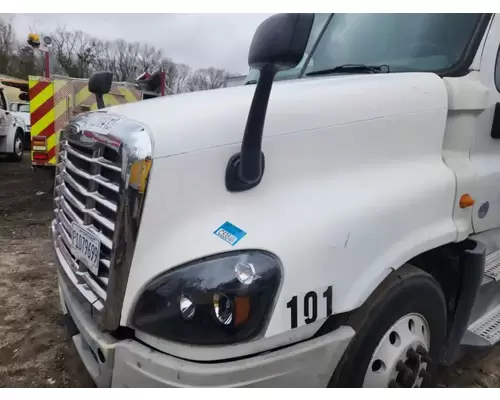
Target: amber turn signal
(466, 201)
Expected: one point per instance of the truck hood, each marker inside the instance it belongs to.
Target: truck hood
(196, 121)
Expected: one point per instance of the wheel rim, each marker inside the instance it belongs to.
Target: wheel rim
(18, 147)
(401, 358)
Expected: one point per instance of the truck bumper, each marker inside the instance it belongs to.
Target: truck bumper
(128, 363)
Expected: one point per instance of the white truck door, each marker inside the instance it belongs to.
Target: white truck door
(5, 117)
(485, 150)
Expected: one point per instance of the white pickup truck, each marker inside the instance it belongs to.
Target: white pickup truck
(13, 130)
(340, 228)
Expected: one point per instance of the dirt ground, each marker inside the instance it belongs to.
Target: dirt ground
(34, 348)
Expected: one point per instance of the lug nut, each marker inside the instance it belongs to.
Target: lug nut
(421, 350)
(402, 367)
(412, 354)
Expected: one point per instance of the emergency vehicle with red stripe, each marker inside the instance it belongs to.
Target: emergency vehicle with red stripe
(54, 101)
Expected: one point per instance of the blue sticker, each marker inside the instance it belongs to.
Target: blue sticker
(230, 233)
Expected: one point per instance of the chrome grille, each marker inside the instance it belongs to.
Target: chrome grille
(102, 175)
(87, 192)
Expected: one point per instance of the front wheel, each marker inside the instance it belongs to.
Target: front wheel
(400, 331)
(18, 147)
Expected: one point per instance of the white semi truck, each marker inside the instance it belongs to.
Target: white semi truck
(339, 228)
(12, 130)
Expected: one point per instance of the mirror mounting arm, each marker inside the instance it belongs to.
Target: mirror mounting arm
(99, 98)
(246, 168)
(279, 44)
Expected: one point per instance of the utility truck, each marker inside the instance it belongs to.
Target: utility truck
(339, 228)
(12, 130)
(21, 110)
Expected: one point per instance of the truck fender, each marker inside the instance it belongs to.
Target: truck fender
(409, 247)
(9, 141)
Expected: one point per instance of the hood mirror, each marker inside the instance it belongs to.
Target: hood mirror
(279, 44)
(100, 84)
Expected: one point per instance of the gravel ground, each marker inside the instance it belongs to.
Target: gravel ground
(34, 348)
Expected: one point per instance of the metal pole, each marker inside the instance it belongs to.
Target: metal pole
(162, 82)
(47, 64)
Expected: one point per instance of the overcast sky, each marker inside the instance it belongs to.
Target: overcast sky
(199, 40)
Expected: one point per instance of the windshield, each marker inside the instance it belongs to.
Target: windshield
(404, 42)
(24, 108)
(318, 24)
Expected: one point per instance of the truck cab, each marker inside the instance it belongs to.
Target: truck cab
(12, 130)
(337, 225)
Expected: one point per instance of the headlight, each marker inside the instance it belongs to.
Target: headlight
(218, 300)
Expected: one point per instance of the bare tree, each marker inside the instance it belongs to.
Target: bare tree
(7, 46)
(105, 57)
(26, 63)
(127, 56)
(150, 58)
(74, 51)
(77, 54)
(206, 79)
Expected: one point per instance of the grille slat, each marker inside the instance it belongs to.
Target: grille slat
(72, 199)
(99, 291)
(67, 256)
(65, 223)
(96, 178)
(100, 161)
(68, 211)
(87, 193)
(84, 192)
(101, 219)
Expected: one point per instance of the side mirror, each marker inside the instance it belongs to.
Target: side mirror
(279, 44)
(100, 84)
(280, 41)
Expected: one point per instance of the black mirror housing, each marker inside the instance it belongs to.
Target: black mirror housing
(280, 41)
(279, 44)
(100, 82)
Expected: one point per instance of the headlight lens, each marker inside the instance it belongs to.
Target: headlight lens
(218, 300)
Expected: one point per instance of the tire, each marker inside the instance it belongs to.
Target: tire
(18, 147)
(27, 140)
(379, 354)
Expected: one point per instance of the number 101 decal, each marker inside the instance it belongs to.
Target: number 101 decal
(309, 307)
